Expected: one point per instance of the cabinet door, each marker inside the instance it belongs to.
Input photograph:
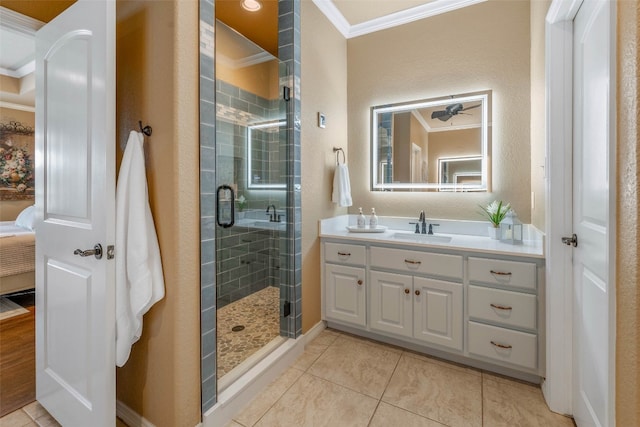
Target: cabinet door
(345, 297)
(437, 311)
(391, 303)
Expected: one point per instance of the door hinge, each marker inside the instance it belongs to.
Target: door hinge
(287, 309)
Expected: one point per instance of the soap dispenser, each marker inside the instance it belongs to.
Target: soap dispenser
(361, 221)
(373, 219)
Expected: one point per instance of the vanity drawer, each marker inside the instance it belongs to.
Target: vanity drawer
(504, 345)
(504, 273)
(344, 253)
(503, 307)
(417, 262)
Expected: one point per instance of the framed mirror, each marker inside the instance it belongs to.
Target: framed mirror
(439, 144)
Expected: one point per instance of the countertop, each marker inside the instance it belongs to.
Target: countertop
(469, 236)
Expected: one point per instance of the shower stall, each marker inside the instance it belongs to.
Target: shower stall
(250, 202)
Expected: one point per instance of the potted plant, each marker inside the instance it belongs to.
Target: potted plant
(241, 203)
(495, 213)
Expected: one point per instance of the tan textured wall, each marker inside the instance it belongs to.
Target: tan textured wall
(157, 82)
(10, 209)
(260, 79)
(628, 217)
(539, 10)
(481, 47)
(324, 89)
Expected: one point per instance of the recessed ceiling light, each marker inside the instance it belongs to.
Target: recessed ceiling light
(251, 5)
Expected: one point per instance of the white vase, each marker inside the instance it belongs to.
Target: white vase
(494, 232)
(241, 215)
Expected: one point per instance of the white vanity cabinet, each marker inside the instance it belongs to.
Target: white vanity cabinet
(478, 307)
(413, 306)
(345, 289)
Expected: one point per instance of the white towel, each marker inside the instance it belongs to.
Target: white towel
(341, 186)
(139, 279)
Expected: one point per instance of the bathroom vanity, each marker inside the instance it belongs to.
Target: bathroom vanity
(456, 294)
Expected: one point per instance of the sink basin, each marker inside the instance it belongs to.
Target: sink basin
(421, 238)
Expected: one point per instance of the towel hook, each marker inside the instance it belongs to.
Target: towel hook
(339, 150)
(145, 130)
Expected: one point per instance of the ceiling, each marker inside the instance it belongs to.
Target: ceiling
(351, 17)
(355, 18)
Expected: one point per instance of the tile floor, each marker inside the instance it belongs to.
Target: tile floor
(342, 380)
(259, 313)
(31, 415)
(34, 415)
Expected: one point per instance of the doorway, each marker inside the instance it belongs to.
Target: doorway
(17, 197)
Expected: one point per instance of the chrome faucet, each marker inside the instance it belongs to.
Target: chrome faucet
(273, 217)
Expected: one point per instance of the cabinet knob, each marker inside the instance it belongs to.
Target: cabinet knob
(359, 282)
(406, 291)
(417, 292)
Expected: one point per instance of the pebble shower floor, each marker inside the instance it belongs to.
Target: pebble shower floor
(259, 313)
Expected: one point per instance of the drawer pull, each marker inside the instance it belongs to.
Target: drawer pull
(412, 262)
(500, 273)
(406, 291)
(344, 254)
(417, 292)
(359, 282)
(501, 345)
(501, 307)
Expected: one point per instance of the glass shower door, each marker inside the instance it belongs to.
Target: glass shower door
(252, 232)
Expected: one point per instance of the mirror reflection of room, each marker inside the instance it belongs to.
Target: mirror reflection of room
(432, 145)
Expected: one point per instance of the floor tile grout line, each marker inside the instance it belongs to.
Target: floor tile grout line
(277, 400)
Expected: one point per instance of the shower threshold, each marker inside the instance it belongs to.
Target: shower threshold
(230, 377)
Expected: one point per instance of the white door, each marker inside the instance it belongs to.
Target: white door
(391, 303)
(593, 213)
(437, 312)
(75, 201)
(346, 297)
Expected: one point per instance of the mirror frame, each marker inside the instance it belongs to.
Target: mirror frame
(484, 97)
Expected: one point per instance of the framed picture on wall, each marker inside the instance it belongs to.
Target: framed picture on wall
(17, 142)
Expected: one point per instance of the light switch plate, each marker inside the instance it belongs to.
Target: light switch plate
(322, 120)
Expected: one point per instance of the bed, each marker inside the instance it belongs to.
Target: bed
(17, 258)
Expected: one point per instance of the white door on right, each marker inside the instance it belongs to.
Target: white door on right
(594, 213)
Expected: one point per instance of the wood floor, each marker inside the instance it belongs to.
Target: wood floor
(18, 357)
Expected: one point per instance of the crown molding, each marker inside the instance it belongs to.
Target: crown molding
(18, 22)
(20, 107)
(402, 17)
(234, 64)
(334, 15)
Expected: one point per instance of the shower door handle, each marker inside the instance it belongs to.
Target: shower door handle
(229, 197)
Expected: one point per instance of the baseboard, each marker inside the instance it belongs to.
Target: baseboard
(314, 331)
(131, 417)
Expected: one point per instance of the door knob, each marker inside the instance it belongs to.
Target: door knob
(96, 251)
(570, 241)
